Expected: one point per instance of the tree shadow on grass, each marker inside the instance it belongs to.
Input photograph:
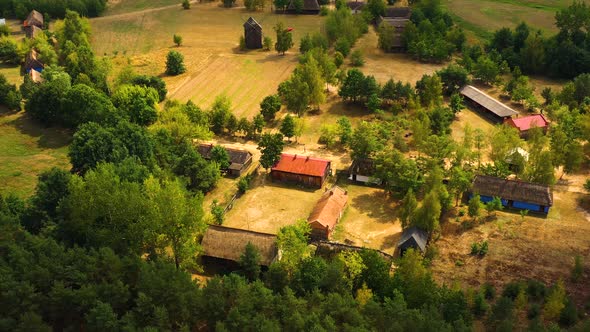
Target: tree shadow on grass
(376, 206)
(49, 137)
(390, 243)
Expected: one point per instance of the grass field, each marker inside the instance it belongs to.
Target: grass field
(536, 247)
(26, 150)
(481, 17)
(116, 7)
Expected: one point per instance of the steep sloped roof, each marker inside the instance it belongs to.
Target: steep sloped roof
(419, 236)
(236, 156)
(35, 18)
(251, 23)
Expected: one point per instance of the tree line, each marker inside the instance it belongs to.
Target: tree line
(51, 8)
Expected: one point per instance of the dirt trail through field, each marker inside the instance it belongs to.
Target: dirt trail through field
(139, 12)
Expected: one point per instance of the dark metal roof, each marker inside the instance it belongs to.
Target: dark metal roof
(415, 233)
(513, 190)
(398, 12)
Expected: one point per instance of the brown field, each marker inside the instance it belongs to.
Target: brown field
(536, 247)
(370, 220)
(268, 206)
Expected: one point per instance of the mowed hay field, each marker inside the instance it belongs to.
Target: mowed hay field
(533, 247)
(26, 150)
(210, 47)
(482, 17)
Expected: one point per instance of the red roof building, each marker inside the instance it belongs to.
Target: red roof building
(525, 123)
(305, 170)
(327, 212)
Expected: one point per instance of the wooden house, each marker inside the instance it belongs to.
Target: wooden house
(303, 170)
(363, 171)
(224, 243)
(413, 237)
(32, 32)
(32, 62)
(398, 18)
(311, 7)
(253, 34)
(513, 193)
(525, 123)
(239, 159)
(488, 106)
(327, 212)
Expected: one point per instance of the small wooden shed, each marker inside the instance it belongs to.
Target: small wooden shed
(413, 237)
(253, 34)
(309, 7)
(363, 171)
(32, 62)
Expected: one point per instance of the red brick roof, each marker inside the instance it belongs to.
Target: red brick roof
(303, 165)
(328, 209)
(527, 122)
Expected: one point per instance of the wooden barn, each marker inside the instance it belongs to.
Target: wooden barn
(525, 123)
(327, 212)
(32, 32)
(488, 106)
(311, 7)
(228, 244)
(413, 237)
(398, 18)
(513, 193)
(32, 62)
(239, 159)
(363, 171)
(253, 34)
(303, 170)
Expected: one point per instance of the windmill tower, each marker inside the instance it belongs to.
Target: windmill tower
(253, 34)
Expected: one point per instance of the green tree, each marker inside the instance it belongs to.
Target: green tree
(267, 43)
(179, 216)
(486, 70)
(364, 141)
(82, 104)
(474, 206)
(186, 4)
(175, 63)
(217, 212)
(555, 302)
(494, 205)
(453, 78)
(430, 89)
(344, 130)
(151, 82)
(408, 208)
(220, 114)
(399, 173)
(137, 104)
(459, 182)
(269, 107)
(292, 241)
(427, 216)
(220, 156)
(456, 103)
(288, 127)
(271, 147)
(284, 38)
(250, 262)
(177, 39)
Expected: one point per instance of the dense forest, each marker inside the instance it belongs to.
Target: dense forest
(53, 8)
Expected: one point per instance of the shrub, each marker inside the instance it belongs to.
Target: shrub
(338, 59)
(342, 45)
(578, 268)
(569, 314)
(175, 63)
(186, 4)
(536, 290)
(480, 249)
(474, 248)
(177, 39)
(217, 212)
(244, 184)
(489, 291)
(267, 43)
(324, 10)
(511, 290)
(228, 3)
(356, 58)
(459, 263)
(534, 311)
(480, 306)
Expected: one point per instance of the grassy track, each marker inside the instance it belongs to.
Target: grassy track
(126, 6)
(27, 149)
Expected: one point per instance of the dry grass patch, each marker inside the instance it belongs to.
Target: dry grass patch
(26, 149)
(268, 206)
(370, 219)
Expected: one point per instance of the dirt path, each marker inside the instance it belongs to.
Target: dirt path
(140, 12)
